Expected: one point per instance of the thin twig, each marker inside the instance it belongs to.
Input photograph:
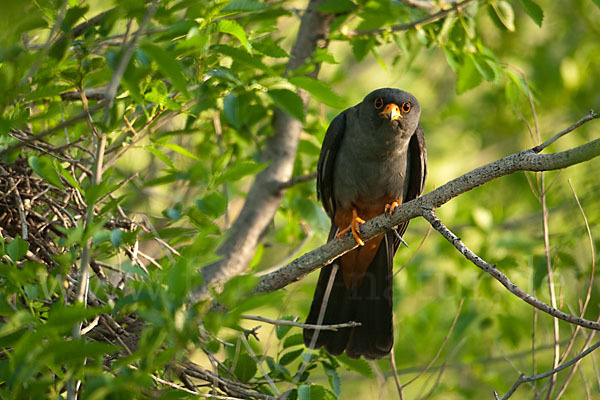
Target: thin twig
(395, 372)
(550, 275)
(503, 279)
(590, 116)
(412, 25)
(583, 307)
(260, 366)
(49, 131)
(285, 322)
(574, 369)
(522, 378)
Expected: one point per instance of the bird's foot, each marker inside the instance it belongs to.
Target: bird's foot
(354, 227)
(389, 208)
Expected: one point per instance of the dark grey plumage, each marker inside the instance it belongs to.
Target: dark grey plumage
(366, 159)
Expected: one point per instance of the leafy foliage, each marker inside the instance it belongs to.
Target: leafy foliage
(180, 143)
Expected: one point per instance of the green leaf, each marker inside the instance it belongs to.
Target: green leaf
(173, 213)
(161, 156)
(304, 392)
(236, 6)
(597, 2)
(116, 237)
(43, 92)
(269, 47)
(238, 170)
(318, 90)
(72, 16)
(282, 330)
(362, 47)
(336, 6)
(483, 67)
(17, 249)
(334, 380)
(178, 149)
(95, 192)
(288, 101)
(231, 109)
(245, 368)
(43, 167)
(468, 76)
(64, 316)
(360, 365)
(534, 11)
(167, 64)
(213, 204)
(293, 340)
(312, 392)
(242, 58)
(235, 29)
(511, 92)
(506, 14)
(290, 356)
(65, 174)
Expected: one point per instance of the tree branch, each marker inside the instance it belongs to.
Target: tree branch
(527, 160)
(265, 195)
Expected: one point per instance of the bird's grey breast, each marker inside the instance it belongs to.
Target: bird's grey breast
(369, 166)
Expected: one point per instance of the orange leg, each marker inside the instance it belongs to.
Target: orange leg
(389, 208)
(354, 227)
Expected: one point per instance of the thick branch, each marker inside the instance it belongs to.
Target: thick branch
(527, 160)
(265, 196)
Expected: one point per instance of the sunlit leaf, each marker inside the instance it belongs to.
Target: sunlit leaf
(288, 101)
(319, 90)
(235, 29)
(505, 13)
(178, 149)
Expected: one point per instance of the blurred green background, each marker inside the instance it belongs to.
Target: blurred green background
(471, 74)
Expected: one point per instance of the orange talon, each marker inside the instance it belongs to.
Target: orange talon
(389, 208)
(354, 227)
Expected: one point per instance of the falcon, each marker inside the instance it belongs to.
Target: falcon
(373, 158)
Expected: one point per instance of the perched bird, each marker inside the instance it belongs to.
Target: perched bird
(373, 158)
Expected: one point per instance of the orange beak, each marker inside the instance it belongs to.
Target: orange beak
(391, 112)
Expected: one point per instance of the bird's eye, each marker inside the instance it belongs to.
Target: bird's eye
(406, 107)
(378, 103)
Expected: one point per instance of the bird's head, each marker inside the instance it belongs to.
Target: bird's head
(391, 110)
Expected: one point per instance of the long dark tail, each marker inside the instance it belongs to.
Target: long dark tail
(369, 303)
